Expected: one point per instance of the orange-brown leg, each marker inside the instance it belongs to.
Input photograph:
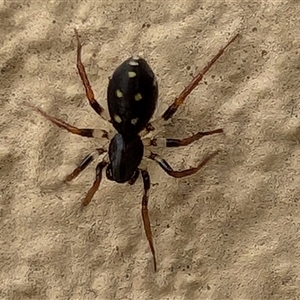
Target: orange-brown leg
(88, 89)
(164, 142)
(145, 214)
(179, 174)
(180, 99)
(96, 183)
(87, 132)
(84, 163)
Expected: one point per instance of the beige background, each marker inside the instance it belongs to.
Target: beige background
(229, 232)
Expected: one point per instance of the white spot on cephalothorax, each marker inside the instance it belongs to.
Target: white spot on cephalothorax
(133, 63)
(117, 119)
(138, 97)
(134, 121)
(131, 74)
(135, 57)
(119, 94)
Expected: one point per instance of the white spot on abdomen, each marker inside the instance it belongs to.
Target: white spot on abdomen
(117, 119)
(131, 74)
(134, 121)
(119, 94)
(138, 97)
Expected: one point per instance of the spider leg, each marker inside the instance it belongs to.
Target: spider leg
(163, 142)
(180, 99)
(145, 215)
(84, 78)
(87, 132)
(84, 163)
(179, 174)
(90, 194)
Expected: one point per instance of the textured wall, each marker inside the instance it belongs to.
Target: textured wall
(231, 231)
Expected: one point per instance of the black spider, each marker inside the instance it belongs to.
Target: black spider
(132, 97)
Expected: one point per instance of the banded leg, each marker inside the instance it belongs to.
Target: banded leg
(145, 214)
(163, 142)
(179, 174)
(82, 73)
(95, 185)
(180, 99)
(84, 163)
(87, 132)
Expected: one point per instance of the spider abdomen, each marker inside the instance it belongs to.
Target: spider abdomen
(132, 96)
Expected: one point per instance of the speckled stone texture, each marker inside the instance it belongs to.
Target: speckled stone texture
(229, 232)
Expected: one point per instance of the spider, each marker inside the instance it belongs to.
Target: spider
(132, 97)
